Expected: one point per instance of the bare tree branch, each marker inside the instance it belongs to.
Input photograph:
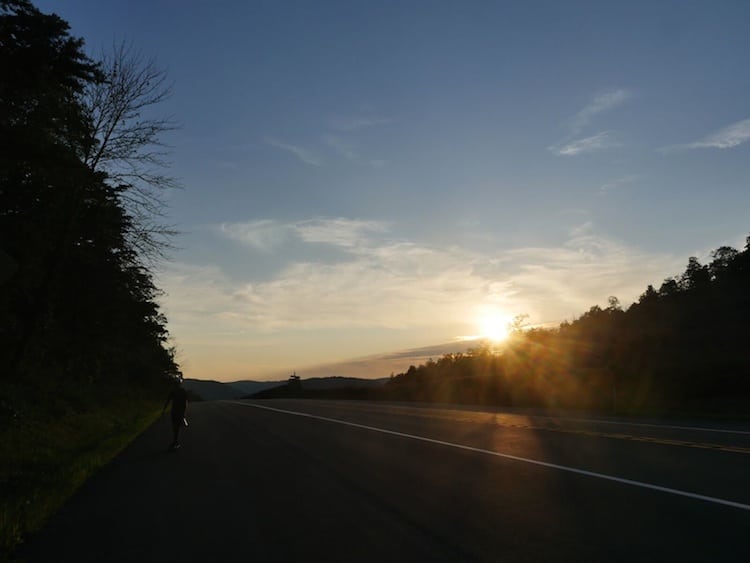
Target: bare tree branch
(126, 143)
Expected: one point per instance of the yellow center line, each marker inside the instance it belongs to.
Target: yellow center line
(483, 418)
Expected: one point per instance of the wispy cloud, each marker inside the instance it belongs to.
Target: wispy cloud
(381, 286)
(264, 235)
(338, 232)
(601, 103)
(354, 122)
(594, 143)
(726, 138)
(305, 155)
(584, 270)
(386, 283)
(617, 183)
(341, 146)
(349, 151)
(344, 127)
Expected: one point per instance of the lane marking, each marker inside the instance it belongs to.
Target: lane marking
(587, 420)
(575, 470)
(649, 439)
(456, 415)
(667, 426)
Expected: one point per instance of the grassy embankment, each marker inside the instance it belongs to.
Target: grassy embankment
(47, 453)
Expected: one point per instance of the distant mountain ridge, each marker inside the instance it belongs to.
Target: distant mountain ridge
(210, 390)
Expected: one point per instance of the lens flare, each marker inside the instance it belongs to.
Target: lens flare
(494, 326)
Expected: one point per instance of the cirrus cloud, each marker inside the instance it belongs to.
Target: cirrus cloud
(726, 138)
(601, 103)
(594, 143)
(267, 234)
(305, 155)
(354, 122)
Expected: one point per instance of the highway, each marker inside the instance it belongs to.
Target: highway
(294, 480)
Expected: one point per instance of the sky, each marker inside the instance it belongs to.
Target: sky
(369, 184)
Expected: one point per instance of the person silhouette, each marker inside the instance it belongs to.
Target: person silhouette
(178, 398)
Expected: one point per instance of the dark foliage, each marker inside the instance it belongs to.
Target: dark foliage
(77, 307)
(680, 348)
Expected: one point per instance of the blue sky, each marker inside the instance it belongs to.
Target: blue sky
(362, 179)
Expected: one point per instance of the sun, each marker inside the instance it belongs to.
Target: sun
(494, 326)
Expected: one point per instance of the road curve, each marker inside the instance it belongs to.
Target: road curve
(290, 480)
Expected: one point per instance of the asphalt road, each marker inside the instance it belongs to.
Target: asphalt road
(292, 480)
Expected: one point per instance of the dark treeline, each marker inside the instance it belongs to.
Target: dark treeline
(682, 347)
(78, 310)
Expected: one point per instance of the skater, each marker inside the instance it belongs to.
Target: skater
(178, 397)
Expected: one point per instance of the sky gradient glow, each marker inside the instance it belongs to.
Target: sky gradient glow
(366, 181)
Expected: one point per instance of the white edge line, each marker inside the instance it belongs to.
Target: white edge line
(509, 456)
(598, 421)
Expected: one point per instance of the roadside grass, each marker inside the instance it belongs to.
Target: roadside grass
(46, 455)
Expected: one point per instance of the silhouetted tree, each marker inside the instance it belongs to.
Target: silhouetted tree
(79, 305)
(649, 295)
(682, 347)
(722, 258)
(696, 276)
(43, 133)
(127, 143)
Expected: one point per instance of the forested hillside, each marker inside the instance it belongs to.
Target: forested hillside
(81, 331)
(78, 307)
(682, 347)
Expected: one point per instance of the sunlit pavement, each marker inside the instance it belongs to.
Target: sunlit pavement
(348, 481)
